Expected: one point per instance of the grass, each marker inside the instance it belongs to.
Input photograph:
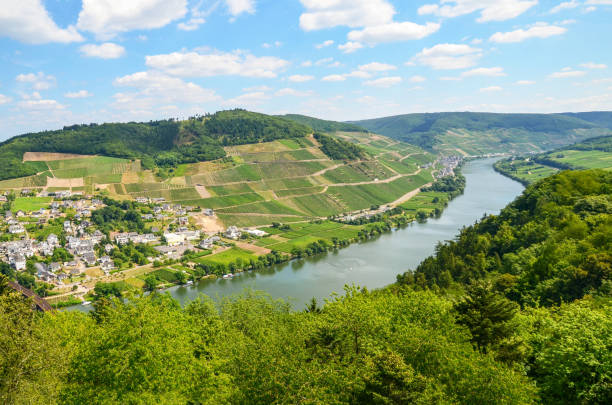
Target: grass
(29, 204)
(253, 221)
(228, 256)
(265, 207)
(222, 202)
(581, 159)
(229, 189)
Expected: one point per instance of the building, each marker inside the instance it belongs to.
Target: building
(173, 239)
(232, 233)
(16, 229)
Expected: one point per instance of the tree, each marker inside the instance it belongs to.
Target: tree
(487, 314)
(151, 283)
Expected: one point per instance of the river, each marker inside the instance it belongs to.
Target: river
(376, 262)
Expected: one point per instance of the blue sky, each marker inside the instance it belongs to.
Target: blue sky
(81, 61)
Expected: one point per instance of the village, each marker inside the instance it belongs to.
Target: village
(62, 245)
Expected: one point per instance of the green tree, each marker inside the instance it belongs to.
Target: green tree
(487, 314)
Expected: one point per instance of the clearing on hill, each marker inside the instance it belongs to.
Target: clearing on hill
(48, 156)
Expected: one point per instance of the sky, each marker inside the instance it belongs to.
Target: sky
(66, 62)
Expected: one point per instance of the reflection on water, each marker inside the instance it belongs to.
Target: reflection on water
(374, 263)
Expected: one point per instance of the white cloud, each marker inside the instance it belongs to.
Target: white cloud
(247, 100)
(377, 67)
(350, 47)
(237, 7)
(490, 10)
(40, 105)
(28, 21)
(292, 92)
(155, 90)
(276, 44)
(324, 44)
(194, 64)
(322, 14)
(566, 5)
(333, 78)
(359, 74)
(192, 24)
(417, 79)
(328, 62)
(78, 94)
(5, 99)
(449, 56)
(384, 82)
(591, 65)
(567, 73)
(39, 81)
(525, 82)
(107, 50)
(307, 63)
(599, 2)
(541, 30)
(491, 89)
(254, 89)
(300, 78)
(491, 72)
(107, 18)
(393, 32)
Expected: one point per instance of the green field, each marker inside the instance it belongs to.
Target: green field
(228, 256)
(29, 204)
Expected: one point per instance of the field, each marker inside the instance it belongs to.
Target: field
(527, 170)
(288, 180)
(29, 204)
(228, 256)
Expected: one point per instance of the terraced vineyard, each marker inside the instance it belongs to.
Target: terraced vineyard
(287, 180)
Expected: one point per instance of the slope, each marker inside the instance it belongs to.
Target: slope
(481, 133)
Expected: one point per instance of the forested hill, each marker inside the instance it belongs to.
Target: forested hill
(162, 143)
(477, 133)
(551, 245)
(324, 125)
(600, 118)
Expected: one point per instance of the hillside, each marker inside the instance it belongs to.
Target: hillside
(285, 180)
(549, 252)
(157, 143)
(452, 332)
(481, 133)
(600, 118)
(323, 125)
(594, 153)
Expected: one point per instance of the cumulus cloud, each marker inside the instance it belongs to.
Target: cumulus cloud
(107, 50)
(350, 47)
(194, 64)
(566, 5)
(490, 10)
(237, 7)
(247, 100)
(38, 81)
(449, 56)
(384, 82)
(591, 65)
(377, 67)
(321, 14)
(107, 18)
(491, 89)
(155, 90)
(358, 74)
(491, 72)
(324, 44)
(393, 32)
(78, 94)
(417, 79)
(567, 73)
(525, 82)
(541, 30)
(334, 78)
(5, 99)
(300, 78)
(28, 21)
(293, 93)
(40, 105)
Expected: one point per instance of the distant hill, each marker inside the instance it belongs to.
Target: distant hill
(324, 125)
(480, 133)
(156, 143)
(600, 118)
(594, 153)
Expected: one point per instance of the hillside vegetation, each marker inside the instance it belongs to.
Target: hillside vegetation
(323, 125)
(594, 153)
(156, 143)
(452, 332)
(481, 133)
